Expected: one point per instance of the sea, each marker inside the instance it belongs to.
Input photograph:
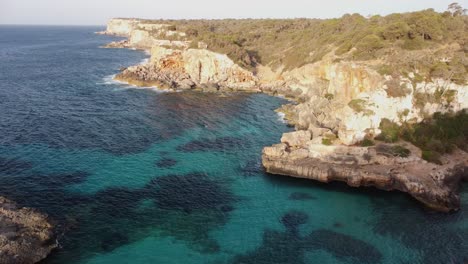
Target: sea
(137, 175)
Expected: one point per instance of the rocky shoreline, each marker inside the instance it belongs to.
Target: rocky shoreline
(337, 102)
(435, 186)
(26, 235)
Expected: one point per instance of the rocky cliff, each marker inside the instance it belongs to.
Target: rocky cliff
(189, 69)
(379, 166)
(121, 26)
(339, 101)
(26, 236)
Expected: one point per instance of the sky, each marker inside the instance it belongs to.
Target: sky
(97, 12)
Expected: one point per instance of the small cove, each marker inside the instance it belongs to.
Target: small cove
(140, 176)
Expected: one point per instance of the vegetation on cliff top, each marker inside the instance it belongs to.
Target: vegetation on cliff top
(409, 42)
(434, 136)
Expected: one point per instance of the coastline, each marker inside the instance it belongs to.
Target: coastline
(302, 153)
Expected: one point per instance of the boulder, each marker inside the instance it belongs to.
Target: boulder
(297, 138)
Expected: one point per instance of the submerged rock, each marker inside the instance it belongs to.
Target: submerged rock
(26, 236)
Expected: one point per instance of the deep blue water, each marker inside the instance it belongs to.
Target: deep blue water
(139, 176)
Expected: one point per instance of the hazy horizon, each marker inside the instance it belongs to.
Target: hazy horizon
(90, 12)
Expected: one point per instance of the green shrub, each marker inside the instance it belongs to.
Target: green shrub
(358, 105)
(400, 151)
(385, 69)
(431, 156)
(172, 28)
(367, 143)
(413, 44)
(326, 141)
(344, 48)
(390, 131)
(393, 150)
(440, 70)
(366, 48)
(435, 136)
(329, 96)
(442, 132)
(396, 30)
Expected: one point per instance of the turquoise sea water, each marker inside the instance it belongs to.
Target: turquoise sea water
(139, 176)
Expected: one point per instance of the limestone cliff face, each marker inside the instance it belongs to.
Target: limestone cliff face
(205, 66)
(191, 68)
(345, 80)
(142, 39)
(351, 99)
(377, 105)
(121, 26)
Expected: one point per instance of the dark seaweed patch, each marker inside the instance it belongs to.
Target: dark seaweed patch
(112, 240)
(435, 235)
(251, 168)
(292, 220)
(45, 192)
(166, 163)
(289, 247)
(13, 166)
(189, 192)
(187, 207)
(337, 225)
(278, 248)
(218, 144)
(300, 196)
(344, 246)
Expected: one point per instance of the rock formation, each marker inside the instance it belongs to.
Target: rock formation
(190, 68)
(121, 27)
(436, 186)
(337, 102)
(26, 236)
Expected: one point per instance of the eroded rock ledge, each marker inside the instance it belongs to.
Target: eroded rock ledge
(436, 186)
(26, 236)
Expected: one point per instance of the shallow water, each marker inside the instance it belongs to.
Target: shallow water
(141, 176)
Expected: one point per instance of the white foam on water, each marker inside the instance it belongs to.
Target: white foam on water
(281, 117)
(127, 86)
(144, 61)
(109, 80)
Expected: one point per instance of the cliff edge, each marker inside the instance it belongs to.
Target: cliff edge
(337, 105)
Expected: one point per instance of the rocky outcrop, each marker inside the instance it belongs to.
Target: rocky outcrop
(143, 35)
(26, 236)
(142, 39)
(121, 26)
(436, 186)
(188, 69)
(350, 99)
